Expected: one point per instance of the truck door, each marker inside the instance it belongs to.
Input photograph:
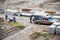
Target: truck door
(38, 18)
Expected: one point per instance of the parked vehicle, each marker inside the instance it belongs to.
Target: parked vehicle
(17, 14)
(58, 30)
(12, 12)
(26, 13)
(41, 19)
(55, 24)
(56, 15)
(52, 28)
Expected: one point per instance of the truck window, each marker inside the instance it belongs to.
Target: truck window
(38, 18)
(45, 19)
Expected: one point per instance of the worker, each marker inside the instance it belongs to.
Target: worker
(6, 17)
(14, 19)
(31, 18)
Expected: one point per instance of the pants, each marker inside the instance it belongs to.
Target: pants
(30, 19)
(14, 21)
(6, 18)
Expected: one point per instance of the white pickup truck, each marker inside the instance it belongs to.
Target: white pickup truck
(12, 12)
(44, 18)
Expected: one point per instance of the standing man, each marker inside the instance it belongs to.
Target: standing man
(6, 17)
(14, 19)
(31, 18)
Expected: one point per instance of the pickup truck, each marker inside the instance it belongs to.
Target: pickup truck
(43, 20)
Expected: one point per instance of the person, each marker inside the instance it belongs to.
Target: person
(6, 17)
(14, 19)
(31, 18)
